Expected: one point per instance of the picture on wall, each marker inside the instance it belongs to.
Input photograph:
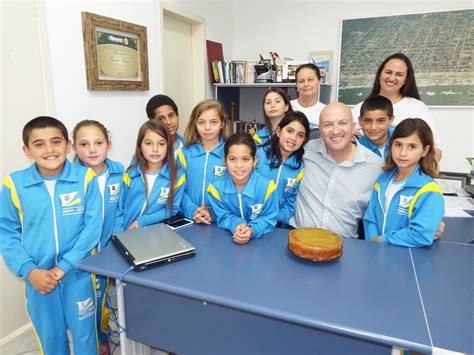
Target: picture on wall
(323, 60)
(440, 46)
(115, 54)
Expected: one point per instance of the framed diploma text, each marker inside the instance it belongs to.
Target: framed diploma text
(115, 54)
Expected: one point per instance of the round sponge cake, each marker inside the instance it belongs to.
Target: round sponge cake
(315, 244)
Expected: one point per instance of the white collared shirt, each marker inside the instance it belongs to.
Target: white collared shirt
(334, 196)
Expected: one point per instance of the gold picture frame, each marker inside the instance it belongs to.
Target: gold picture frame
(115, 54)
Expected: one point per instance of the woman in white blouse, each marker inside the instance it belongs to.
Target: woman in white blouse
(395, 79)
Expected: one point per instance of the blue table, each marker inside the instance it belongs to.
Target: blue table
(260, 298)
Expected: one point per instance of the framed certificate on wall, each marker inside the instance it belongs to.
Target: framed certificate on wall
(115, 54)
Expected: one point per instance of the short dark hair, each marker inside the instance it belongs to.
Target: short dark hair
(43, 122)
(158, 101)
(240, 138)
(308, 66)
(377, 102)
(409, 88)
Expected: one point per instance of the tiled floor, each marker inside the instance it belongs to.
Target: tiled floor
(26, 344)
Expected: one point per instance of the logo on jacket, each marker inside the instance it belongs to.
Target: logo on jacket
(69, 199)
(71, 204)
(114, 189)
(290, 184)
(164, 192)
(256, 210)
(114, 192)
(403, 204)
(219, 170)
(85, 308)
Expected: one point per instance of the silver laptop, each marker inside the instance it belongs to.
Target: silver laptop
(152, 246)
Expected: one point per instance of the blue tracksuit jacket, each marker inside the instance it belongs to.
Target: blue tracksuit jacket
(38, 232)
(414, 214)
(133, 197)
(110, 200)
(180, 143)
(366, 142)
(256, 206)
(201, 168)
(287, 179)
(262, 136)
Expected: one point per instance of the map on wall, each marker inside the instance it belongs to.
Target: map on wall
(440, 46)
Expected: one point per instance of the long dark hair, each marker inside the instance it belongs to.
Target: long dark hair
(159, 128)
(286, 99)
(409, 88)
(419, 127)
(272, 147)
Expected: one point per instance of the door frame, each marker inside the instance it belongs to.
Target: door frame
(198, 47)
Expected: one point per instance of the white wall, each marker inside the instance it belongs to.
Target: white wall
(23, 95)
(294, 28)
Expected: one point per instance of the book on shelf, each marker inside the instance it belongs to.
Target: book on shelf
(250, 71)
(239, 72)
(221, 72)
(215, 72)
(214, 54)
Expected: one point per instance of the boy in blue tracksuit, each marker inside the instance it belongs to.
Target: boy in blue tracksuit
(163, 108)
(210, 165)
(404, 223)
(287, 179)
(49, 221)
(256, 205)
(133, 206)
(376, 116)
(381, 151)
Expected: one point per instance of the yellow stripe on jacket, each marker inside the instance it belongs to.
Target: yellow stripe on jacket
(182, 159)
(429, 187)
(89, 176)
(271, 187)
(214, 192)
(8, 182)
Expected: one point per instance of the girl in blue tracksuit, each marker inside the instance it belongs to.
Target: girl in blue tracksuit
(91, 144)
(202, 158)
(276, 103)
(153, 186)
(243, 201)
(406, 205)
(281, 160)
